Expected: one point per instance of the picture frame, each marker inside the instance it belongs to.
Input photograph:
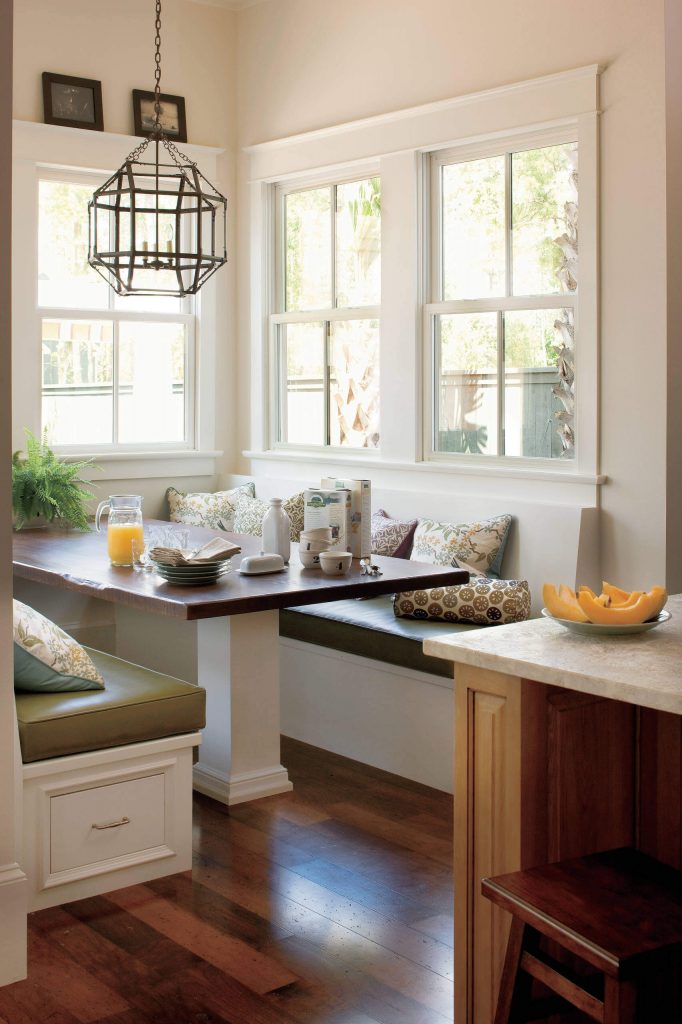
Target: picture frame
(72, 102)
(173, 117)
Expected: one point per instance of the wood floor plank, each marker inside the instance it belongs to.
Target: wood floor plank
(359, 990)
(376, 927)
(241, 961)
(205, 987)
(350, 945)
(328, 905)
(400, 833)
(249, 838)
(440, 926)
(223, 914)
(70, 984)
(350, 846)
(135, 976)
(372, 894)
(27, 1002)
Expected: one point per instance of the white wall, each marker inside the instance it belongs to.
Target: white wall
(12, 881)
(673, 40)
(306, 64)
(115, 45)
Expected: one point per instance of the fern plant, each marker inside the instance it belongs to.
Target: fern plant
(45, 485)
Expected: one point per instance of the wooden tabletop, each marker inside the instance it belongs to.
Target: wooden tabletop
(78, 561)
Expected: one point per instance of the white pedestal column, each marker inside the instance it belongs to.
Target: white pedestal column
(237, 663)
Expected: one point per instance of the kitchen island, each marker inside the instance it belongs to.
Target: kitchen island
(565, 745)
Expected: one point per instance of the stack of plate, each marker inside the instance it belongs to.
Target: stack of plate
(200, 575)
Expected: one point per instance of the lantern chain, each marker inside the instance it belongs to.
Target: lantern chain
(157, 71)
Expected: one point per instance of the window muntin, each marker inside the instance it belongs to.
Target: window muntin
(502, 316)
(326, 328)
(117, 372)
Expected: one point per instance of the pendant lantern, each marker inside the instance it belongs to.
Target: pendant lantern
(157, 225)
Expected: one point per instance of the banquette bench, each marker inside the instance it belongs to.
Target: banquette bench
(354, 678)
(107, 782)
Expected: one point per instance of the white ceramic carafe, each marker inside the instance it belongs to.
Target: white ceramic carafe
(277, 530)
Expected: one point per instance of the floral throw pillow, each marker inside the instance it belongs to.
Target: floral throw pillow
(480, 545)
(48, 660)
(481, 602)
(250, 513)
(392, 537)
(204, 508)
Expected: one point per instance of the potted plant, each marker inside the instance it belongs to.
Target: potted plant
(45, 487)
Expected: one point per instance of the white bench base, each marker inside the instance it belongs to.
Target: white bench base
(146, 787)
(393, 718)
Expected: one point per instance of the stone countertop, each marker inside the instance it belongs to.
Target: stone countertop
(644, 668)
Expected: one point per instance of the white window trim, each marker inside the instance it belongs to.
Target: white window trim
(515, 142)
(566, 103)
(51, 151)
(278, 316)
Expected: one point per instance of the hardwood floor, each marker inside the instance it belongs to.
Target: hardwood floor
(328, 905)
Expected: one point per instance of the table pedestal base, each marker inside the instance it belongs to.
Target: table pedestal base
(237, 663)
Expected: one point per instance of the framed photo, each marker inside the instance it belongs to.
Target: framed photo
(74, 102)
(173, 120)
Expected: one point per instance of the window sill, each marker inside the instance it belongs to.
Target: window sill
(144, 465)
(567, 476)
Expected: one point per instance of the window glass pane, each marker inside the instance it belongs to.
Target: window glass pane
(538, 396)
(466, 350)
(544, 219)
(354, 383)
(358, 243)
(473, 229)
(152, 373)
(308, 239)
(146, 227)
(77, 368)
(302, 407)
(65, 279)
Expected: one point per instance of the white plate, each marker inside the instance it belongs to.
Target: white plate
(189, 570)
(193, 580)
(596, 629)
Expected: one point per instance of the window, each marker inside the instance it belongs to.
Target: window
(502, 315)
(325, 331)
(117, 372)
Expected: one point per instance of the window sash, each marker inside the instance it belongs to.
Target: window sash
(186, 315)
(280, 316)
(189, 380)
(506, 303)
(279, 379)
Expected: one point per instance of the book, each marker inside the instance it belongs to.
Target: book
(361, 513)
(329, 507)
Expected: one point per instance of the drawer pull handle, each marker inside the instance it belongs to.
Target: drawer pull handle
(113, 824)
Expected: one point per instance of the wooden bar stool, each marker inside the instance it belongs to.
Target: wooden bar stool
(620, 912)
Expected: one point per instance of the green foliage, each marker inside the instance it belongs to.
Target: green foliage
(368, 202)
(44, 485)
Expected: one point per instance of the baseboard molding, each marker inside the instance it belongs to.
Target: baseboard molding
(13, 902)
(237, 789)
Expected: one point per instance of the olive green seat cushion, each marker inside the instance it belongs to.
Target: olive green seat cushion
(370, 629)
(135, 705)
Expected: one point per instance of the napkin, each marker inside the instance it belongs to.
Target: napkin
(216, 550)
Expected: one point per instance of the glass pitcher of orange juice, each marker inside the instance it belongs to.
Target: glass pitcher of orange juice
(125, 532)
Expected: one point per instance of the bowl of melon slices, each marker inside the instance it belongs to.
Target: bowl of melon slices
(614, 612)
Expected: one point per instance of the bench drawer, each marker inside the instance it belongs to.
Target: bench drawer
(84, 829)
